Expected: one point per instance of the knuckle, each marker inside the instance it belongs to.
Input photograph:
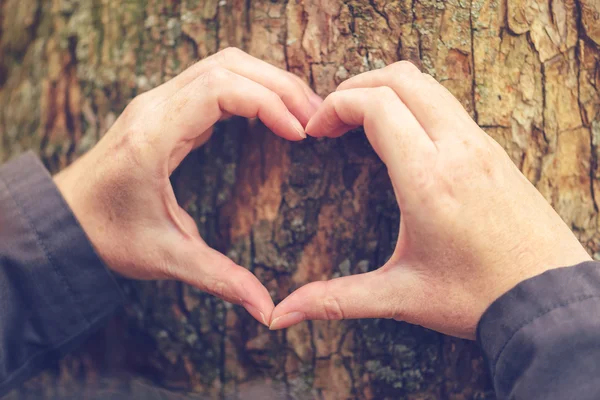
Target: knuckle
(212, 77)
(174, 108)
(229, 283)
(165, 263)
(232, 51)
(137, 149)
(132, 109)
(132, 141)
(335, 98)
(229, 54)
(142, 98)
(383, 94)
(404, 67)
(216, 288)
(336, 101)
(331, 306)
(138, 104)
(169, 271)
(273, 98)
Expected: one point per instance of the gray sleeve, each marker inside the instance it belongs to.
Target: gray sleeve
(541, 340)
(54, 289)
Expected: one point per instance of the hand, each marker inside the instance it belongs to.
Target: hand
(472, 226)
(120, 190)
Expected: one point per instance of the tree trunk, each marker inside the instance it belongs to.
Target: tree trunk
(528, 71)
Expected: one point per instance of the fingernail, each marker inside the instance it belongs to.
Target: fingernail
(298, 126)
(286, 320)
(255, 312)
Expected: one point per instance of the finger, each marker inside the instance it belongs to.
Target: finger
(214, 273)
(199, 105)
(314, 99)
(392, 130)
(370, 295)
(438, 112)
(293, 93)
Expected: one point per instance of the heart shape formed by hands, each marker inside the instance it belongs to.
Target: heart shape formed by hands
(462, 240)
(127, 206)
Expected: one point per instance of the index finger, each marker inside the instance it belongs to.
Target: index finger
(296, 95)
(392, 130)
(439, 113)
(199, 105)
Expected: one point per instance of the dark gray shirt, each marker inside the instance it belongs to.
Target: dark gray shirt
(54, 289)
(541, 340)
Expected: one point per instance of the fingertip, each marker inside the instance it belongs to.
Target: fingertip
(231, 282)
(316, 125)
(315, 129)
(256, 313)
(284, 125)
(287, 320)
(258, 303)
(293, 303)
(300, 131)
(310, 129)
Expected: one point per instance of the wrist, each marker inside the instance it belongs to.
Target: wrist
(73, 189)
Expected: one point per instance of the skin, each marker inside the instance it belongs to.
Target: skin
(120, 190)
(472, 226)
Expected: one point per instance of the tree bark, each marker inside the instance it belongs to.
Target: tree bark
(528, 71)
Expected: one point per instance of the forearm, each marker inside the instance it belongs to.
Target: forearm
(53, 287)
(542, 338)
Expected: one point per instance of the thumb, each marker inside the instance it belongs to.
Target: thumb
(376, 294)
(214, 273)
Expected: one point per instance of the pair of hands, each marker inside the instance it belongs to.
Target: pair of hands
(472, 226)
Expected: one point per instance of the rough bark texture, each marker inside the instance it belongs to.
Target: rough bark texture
(527, 70)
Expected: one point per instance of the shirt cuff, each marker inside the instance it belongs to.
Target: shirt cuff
(70, 287)
(506, 323)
